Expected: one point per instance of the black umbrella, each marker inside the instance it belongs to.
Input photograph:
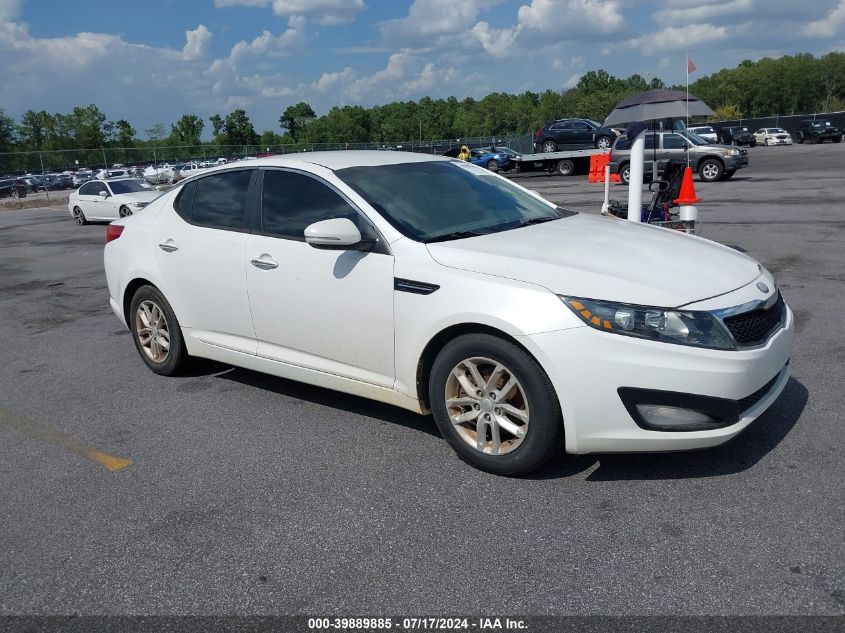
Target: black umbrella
(657, 104)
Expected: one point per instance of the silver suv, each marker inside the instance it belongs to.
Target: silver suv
(712, 161)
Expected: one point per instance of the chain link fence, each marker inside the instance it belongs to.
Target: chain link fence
(16, 163)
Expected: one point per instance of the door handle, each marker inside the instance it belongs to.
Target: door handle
(169, 246)
(264, 264)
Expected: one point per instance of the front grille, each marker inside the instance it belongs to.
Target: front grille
(744, 404)
(755, 327)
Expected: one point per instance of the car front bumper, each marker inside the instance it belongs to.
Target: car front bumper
(733, 163)
(588, 368)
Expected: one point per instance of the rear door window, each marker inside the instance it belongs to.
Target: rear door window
(220, 200)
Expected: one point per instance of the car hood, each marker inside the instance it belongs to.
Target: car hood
(603, 258)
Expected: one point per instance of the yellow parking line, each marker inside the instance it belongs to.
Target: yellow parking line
(50, 435)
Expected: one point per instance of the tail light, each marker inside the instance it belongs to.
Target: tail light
(113, 231)
(537, 132)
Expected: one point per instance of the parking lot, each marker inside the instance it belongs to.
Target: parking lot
(230, 492)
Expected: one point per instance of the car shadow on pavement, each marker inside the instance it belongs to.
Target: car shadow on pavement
(740, 454)
(330, 398)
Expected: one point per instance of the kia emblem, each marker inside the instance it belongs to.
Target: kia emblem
(762, 287)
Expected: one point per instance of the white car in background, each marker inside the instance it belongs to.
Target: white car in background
(109, 199)
(436, 285)
(772, 136)
(706, 132)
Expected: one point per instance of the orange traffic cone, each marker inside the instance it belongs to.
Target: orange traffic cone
(687, 196)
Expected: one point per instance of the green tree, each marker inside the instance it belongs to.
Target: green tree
(295, 119)
(32, 130)
(156, 132)
(7, 130)
(187, 130)
(238, 129)
(269, 139)
(85, 126)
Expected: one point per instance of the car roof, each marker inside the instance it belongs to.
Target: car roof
(334, 160)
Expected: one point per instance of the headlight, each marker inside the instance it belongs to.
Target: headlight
(682, 327)
(138, 204)
(731, 151)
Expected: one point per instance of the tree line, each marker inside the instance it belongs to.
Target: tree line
(787, 85)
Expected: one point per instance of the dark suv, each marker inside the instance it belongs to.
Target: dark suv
(573, 134)
(13, 188)
(736, 135)
(818, 131)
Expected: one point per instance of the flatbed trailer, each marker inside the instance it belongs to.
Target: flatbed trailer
(561, 163)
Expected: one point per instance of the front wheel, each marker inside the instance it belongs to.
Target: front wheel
(495, 405)
(625, 174)
(800, 138)
(492, 165)
(837, 139)
(711, 170)
(549, 146)
(15, 193)
(603, 142)
(124, 212)
(156, 332)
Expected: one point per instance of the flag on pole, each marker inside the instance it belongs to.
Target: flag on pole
(690, 65)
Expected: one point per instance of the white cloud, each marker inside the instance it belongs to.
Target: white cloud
(677, 38)
(831, 25)
(392, 73)
(496, 42)
(697, 11)
(198, 42)
(554, 20)
(328, 80)
(9, 10)
(325, 12)
(429, 20)
(267, 44)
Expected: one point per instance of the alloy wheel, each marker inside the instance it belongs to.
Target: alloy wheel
(78, 216)
(549, 146)
(487, 405)
(152, 331)
(710, 171)
(603, 143)
(124, 212)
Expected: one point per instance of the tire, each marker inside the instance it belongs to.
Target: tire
(79, 216)
(728, 174)
(711, 170)
(837, 139)
(146, 311)
(625, 173)
(549, 146)
(14, 193)
(532, 404)
(565, 167)
(753, 144)
(603, 142)
(800, 138)
(124, 211)
(492, 165)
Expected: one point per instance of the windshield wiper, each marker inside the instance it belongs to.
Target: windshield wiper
(539, 220)
(457, 235)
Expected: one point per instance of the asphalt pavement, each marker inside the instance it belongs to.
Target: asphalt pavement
(230, 492)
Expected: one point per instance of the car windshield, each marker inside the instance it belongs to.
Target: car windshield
(441, 200)
(128, 186)
(774, 130)
(593, 123)
(820, 123)
(695, 139)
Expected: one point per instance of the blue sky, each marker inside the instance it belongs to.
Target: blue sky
(151, 61)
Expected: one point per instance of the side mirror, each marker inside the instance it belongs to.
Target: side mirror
(336, 234)
(103, 194)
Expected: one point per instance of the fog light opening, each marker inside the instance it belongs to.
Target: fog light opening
(661, 415)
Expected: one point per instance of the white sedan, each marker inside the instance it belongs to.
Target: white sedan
(436, 285)
(772, 136)
(109, 199)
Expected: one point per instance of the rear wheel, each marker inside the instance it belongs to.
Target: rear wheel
(156, 332)
(14, 193)
(549, 146)
(79, 216)
(800, 138)
(603, 142)
(492, 165)
(495, 405)
(711, 170)
(565, 167)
